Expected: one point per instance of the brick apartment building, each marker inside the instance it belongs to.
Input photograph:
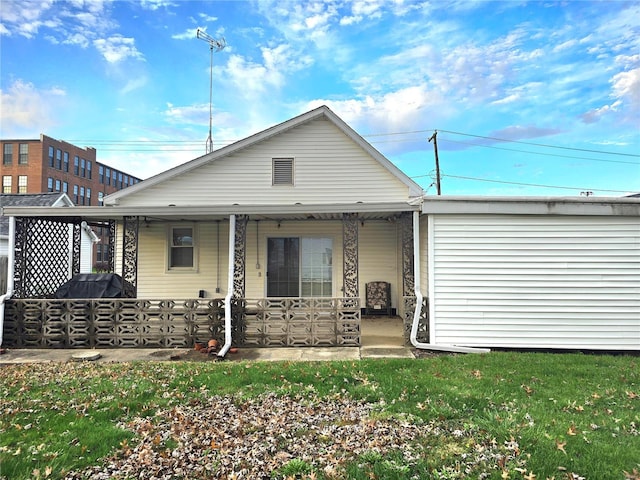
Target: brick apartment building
(49, 165)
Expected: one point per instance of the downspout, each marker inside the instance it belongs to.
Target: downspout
(10, 271)
(416, 314)
(227, 299)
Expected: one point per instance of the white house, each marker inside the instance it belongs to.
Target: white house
(276, 239)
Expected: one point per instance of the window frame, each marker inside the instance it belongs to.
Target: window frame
(7, 154)
(7, 183)
(23, 184)
(170, 246)
(23, 156)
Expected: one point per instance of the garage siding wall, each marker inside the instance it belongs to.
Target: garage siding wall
(535, 281)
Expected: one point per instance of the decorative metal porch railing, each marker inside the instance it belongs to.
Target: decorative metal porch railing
(138, 323)
(423, 324)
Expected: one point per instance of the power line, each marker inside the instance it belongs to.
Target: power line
(543, 144)
(539, 153)
(526, 184)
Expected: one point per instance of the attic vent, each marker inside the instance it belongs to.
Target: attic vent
(282, 171)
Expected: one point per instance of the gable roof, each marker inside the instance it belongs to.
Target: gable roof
(414, 189)
(54, 199)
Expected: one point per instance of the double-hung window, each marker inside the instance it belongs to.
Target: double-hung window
(7, 155)
(23, 153)
(22, 184)
(299, 267)
(182, 247)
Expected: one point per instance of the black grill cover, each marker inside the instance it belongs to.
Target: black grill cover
(92, 285)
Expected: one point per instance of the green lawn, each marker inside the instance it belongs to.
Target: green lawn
(499, 415)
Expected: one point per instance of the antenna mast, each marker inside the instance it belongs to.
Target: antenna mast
(216, 45)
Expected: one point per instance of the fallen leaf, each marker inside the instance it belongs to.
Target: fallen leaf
(560, 446)
(572, 430)
(527, 389)
(477, 373)
(634, 475)
(632, 395)
(531, 476)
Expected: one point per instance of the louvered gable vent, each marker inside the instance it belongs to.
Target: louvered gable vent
(283, 171)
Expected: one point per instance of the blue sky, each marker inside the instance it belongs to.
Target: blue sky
(525, 96)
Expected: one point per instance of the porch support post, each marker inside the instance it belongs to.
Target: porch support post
(408, 275)
(131, 227)
(112, 246)
(20, 257)
(76, 247)
(350, 255)
(240, 255)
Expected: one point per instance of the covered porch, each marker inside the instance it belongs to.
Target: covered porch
(227, 293)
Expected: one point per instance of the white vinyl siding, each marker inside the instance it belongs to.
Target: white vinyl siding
(326, 160)
(535, 281)
(380, 257)
(378, 253)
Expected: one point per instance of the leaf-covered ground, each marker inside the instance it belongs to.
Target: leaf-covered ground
(502, 416)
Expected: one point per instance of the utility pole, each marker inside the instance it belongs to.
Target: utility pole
(434, 137)
(217, 45)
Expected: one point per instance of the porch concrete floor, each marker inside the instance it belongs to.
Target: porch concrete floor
(381, 337)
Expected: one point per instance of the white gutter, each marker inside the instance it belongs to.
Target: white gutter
(10, 272)
(227, 299)
(416, 314)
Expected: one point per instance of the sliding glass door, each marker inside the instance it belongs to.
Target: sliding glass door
(299, 267)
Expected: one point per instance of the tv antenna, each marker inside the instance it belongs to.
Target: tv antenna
(214, 45)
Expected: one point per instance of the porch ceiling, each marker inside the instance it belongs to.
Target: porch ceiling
(219, 212)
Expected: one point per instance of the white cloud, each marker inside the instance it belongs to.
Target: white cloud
(26, 110)
(252, 78)
(188, 34)
(190, 114)
(626, 87)
(117, 48)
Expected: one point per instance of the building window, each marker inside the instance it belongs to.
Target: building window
(89, 169)
(82, 195)
(7, 156)
(181, 247)
(100, 174)
(22, 184)
(126, 181)
(51, 157)
(57, 185)
(23, 159)
(75, 194)
(6, 184)
(88, 196)
(65, 187)
(100, 198)
(282, 171)
(66, 161)
(49, 184)
(59, 159)
(107, 176)
(76, 165)
(83, 167)
(299, 267)
(113, 178)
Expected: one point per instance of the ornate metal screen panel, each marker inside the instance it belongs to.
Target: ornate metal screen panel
(136, 323)
(47, 254)
(240, 254)
(423, 324)
(408, 279)
(130, 256)
(282, 322)
(350, 254)
(112, 246)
